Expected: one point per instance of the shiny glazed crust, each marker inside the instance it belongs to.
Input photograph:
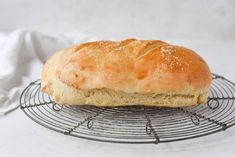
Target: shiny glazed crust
(129, 72)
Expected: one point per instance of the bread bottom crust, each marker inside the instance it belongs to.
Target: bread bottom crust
(62, 94)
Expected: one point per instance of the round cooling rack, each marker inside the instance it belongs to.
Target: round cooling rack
(134, 124)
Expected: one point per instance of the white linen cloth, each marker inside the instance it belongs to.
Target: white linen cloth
(22, 54)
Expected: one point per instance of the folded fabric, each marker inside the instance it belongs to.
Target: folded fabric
(21, 59)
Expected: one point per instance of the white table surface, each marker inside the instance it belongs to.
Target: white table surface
(21, 137)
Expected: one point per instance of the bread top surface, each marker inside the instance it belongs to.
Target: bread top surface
(131, 66)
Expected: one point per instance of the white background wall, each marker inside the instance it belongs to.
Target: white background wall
(162, 19)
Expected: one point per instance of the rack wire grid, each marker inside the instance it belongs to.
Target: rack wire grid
(134, 124)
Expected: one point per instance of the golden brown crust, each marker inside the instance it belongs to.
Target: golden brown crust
(129, 66)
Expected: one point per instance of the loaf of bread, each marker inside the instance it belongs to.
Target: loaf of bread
(128, 72)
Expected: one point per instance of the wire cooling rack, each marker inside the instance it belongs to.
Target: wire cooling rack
(134, 124)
